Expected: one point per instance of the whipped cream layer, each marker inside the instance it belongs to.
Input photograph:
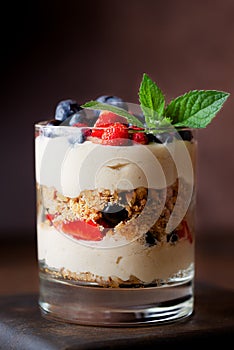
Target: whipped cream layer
(71, 168)
(133, 259)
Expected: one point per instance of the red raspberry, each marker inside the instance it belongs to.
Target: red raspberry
(105, 119)
(97, 132)
(115, 135)
(140, 137)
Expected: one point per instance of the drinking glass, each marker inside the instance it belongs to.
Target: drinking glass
(115, 226)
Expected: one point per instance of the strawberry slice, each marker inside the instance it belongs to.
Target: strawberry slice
(184, 231)
(86, 230)
(50, 217)
(104, 120)
(116, 135)
(140, 137)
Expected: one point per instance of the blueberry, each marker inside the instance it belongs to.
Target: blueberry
(150, 239)
(114, 213)
(78, 117)
(172, 237)
(112, 100)
(51, 132)
(78, 137)
(65, 109)
(186, 135)
(163, 137)
(153, 138)
(54, 122)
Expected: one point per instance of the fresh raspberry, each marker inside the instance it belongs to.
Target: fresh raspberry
(97, 132)
(87, 132)
(140, 137)
(106, 119)
(115, 135)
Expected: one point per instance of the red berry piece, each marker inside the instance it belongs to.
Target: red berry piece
(50, 217)
(97, 132)
(184, 231)
(105, 119)
(115, 135)
(140, 137)
(85, 230)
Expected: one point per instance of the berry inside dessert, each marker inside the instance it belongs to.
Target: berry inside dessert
(116, 188)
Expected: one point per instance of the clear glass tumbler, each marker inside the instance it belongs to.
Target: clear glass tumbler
(115, 226)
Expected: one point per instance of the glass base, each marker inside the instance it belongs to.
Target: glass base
(122, 307)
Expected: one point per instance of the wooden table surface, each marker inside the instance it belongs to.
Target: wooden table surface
(23, 327)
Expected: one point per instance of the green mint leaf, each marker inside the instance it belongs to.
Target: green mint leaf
(119, 111)
(196, 108)
(152, 101)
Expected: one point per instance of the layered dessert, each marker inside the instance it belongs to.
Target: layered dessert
(116, 193)
(115, 199)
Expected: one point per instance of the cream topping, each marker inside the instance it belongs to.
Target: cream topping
(71, 168)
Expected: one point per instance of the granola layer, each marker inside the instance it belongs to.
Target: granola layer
(125, 213)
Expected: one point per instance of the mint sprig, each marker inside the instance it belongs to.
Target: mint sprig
(119, 111)
(194, 109)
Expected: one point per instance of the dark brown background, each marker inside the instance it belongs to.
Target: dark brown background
(53, 50)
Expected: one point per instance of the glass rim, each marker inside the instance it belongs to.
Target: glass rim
(169, 128)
